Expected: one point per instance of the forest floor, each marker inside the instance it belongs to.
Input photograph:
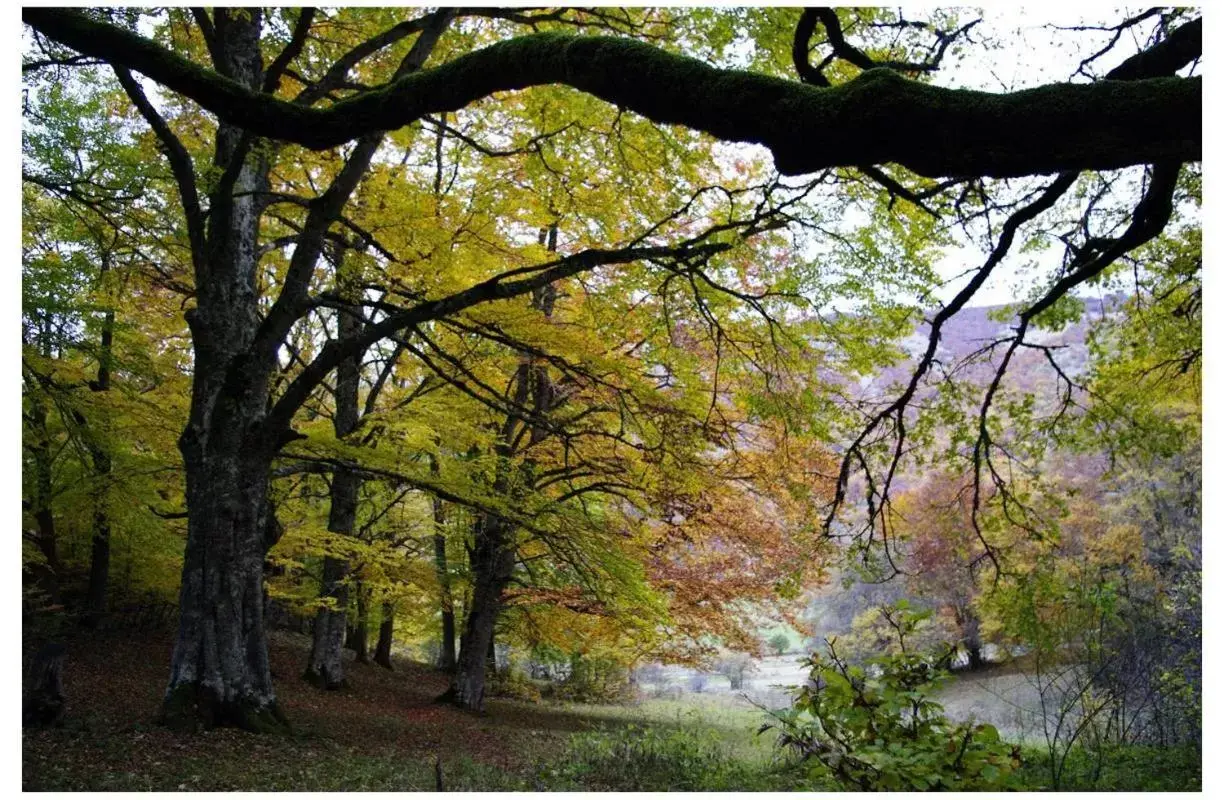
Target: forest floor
(384, 731)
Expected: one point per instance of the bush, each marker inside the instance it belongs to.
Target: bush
(515, 685)
(1132, 768)
(876, 728)
(596, 680)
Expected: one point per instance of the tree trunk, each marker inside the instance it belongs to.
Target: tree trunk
(99, 557)
(46, 577)
(386, 628)
(361, 631)
(219, 673)
(325, 668)
(973, 640)
(491, 656)
(43, 703)
(492, 564)
(446, 657)
(493, 554)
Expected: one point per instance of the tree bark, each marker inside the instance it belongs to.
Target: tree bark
(492, 565)
(359, 633)
(99, 557)
(325, 669)
(879, 117)
(494, 550)
(446, 656)
(386, 630)
(39, 446)
(326, 666)
(43, 703)
(219, 672)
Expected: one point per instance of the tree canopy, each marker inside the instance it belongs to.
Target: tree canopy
(488, 320)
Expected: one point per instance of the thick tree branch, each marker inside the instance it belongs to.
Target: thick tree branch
(180, 165)
(877, 118)
(292, 50)
(294, 299)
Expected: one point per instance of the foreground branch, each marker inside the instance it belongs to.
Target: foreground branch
(877, 118)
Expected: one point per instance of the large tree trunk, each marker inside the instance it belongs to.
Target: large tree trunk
(492, 565)
(219, 672)
(386, 629)
(43, 703)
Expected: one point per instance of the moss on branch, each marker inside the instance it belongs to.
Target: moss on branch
(878, 118)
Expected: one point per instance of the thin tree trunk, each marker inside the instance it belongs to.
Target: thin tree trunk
(446, 656)
(494, 552)
(386, 630)
(100, 551)
(362, 628)
(326, 666)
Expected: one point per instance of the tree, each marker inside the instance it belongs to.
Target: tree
(779, 643)
(238, 425)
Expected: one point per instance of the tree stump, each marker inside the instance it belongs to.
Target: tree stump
(43, 704)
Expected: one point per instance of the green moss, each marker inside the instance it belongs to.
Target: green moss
(190, 708)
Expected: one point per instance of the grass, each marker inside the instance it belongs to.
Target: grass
(385, 733)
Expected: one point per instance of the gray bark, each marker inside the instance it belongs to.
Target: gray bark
(492, 565)
(361, 630)
(326, 667)
(219, 671)
(446, 656)
(39, 446)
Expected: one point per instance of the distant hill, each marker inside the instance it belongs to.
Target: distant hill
(974, 328)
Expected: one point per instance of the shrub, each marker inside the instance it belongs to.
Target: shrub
(876, 728)
(515, 685)
(594, 679)
(1119, 768)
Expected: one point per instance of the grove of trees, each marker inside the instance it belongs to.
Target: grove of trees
(550, 328)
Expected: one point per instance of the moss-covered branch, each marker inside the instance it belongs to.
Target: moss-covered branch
(878, 118)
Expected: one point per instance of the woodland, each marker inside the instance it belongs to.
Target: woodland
(411, 395)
